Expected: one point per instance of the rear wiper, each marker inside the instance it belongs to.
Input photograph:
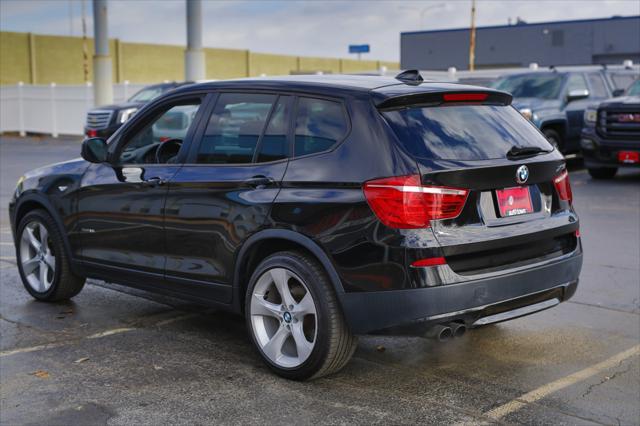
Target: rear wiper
(523, 151)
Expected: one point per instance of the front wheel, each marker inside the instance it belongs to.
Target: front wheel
(294, 318)
(42, 261)
(554, 138)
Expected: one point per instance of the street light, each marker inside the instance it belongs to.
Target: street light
(423, 11)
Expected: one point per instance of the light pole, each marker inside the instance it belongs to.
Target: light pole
(102, 86)
(194, 61)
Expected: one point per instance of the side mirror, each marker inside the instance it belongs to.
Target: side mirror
(617, 92)
(574, 95)
(94, 150)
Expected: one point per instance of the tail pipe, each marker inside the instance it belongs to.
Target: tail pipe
(457, 329)
(439, 332)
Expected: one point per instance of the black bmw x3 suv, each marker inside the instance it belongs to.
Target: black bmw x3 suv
(319, 207)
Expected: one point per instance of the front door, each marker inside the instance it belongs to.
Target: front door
(225, 192)
(121, 203)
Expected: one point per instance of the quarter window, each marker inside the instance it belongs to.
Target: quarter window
(234, 128)
(320, 124)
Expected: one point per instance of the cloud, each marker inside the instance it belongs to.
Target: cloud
(310, 28)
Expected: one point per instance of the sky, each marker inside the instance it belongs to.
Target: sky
(306, 28)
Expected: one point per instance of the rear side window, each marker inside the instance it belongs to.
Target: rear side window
(234, 128)
(463, 132)
(622, 81)
(275, 143)
(320, 124)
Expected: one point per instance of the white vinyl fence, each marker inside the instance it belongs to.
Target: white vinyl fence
(51, 109)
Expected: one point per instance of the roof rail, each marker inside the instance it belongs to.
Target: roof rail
(411, 77)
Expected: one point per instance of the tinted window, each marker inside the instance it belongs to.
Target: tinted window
(147, 94)
(234, 128)
(576, 82)
(172, 123)
(463, 132)
(622, 81)
(275, 143)
(545, 86)
(320, 124)
(598, 89)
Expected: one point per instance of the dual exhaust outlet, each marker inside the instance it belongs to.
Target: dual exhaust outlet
(445, 332)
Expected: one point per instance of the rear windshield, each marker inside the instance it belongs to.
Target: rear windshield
(463, 132)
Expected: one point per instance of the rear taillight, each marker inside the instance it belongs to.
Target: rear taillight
(92, 133)
(403, 202)
(561, 182)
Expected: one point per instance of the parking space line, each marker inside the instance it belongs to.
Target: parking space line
(545, 390)
(93, 336)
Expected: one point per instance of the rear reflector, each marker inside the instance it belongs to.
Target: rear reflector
(577, 233)
(432, 261)
(92, 133)
(561, 182)
(465, 97)
(404, 203)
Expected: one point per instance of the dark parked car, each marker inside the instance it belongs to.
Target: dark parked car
(320, 207)
(555, 101)
(611, 134)
(105, 120)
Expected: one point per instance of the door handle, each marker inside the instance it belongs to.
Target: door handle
(259, 181)
(154, 181)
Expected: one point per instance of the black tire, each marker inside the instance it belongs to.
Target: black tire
(65, 283)
(603, 173)
(334, 343)
(554, 139)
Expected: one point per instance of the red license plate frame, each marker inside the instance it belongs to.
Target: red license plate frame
(514, 201)
(629, 157)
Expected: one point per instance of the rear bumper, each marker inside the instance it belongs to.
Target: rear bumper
(412, 310)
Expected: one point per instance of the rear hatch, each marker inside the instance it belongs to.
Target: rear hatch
(517, 209)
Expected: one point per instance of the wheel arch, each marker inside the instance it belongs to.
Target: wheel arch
(34, 201)
(264, 243)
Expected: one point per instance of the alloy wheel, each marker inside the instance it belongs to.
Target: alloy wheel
(283, 318)
(36, 256)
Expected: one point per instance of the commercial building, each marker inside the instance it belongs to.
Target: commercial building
(581, 42)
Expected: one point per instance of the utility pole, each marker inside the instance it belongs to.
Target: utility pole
(472, 40)
(102, 79)
(85, 48)
(194, 64)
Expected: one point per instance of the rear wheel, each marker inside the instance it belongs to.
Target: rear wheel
(42, 261)
(603, 173)
(294, 318)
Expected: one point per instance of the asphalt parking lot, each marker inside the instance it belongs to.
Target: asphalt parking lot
(119, 356)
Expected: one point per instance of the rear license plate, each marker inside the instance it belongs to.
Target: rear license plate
(514, 201)
(629, 157)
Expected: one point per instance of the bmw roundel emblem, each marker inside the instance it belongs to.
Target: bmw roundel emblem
(522, 174)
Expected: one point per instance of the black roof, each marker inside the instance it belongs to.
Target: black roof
(380, 88)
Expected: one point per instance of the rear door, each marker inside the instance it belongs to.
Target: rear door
(225, 191)
(513, 213)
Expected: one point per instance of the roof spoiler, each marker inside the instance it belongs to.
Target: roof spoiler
(435, 98)
(411, 77)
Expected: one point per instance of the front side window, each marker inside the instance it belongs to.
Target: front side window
(576, 82)
(320, 124)
(234, 128)
(598, 89)
(160, 138)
